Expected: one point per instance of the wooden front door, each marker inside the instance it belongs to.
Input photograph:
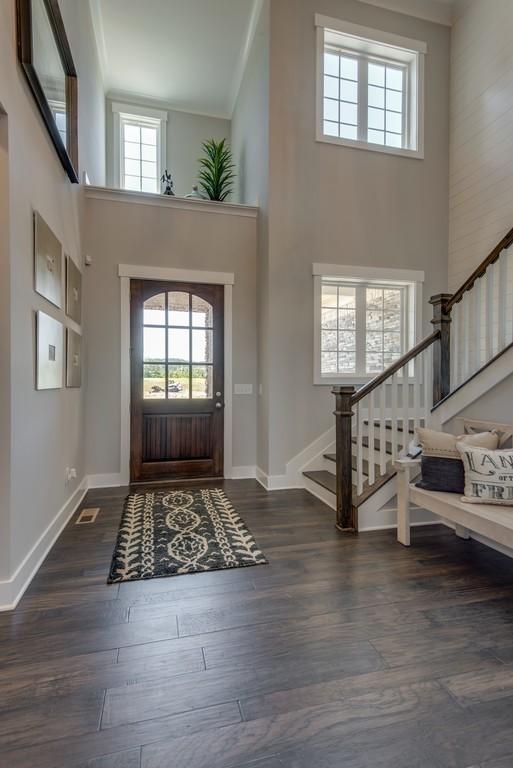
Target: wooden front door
(177, 380)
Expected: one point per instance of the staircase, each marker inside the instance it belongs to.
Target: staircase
(369, 421)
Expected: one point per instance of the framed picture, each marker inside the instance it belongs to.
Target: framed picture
(47, 262)
(73, 291)
(49, 352)
(45, 56)
(73, 358)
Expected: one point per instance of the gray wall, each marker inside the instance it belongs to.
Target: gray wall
(250, 143)
(185, 134)
(48, 427)
(340, 205)
(5, 350)
(128, 233)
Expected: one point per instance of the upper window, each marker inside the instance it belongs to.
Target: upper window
(140, 147)
(369, 88)
(363, 324)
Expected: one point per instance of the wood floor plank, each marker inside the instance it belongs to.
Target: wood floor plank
(324, 725)
(343, 651)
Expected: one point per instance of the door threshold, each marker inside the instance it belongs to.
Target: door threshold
(177, 482)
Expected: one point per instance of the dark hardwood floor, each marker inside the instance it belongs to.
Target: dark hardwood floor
(341, 653)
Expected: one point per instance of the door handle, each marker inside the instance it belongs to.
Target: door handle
(219, 394)
(219, 405)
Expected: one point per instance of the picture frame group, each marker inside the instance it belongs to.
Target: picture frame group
(58, 348)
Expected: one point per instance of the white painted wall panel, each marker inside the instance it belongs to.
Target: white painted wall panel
(481, 162)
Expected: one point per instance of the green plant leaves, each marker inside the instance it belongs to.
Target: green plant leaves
(216, 170)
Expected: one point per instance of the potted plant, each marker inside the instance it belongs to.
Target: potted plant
(216, 174)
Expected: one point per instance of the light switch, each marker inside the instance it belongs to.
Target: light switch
(243, 389)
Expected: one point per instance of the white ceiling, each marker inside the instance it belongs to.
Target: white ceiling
(189, 53)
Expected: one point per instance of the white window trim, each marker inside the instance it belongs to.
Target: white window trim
(411, 279)
(416, 48)
(153, 116)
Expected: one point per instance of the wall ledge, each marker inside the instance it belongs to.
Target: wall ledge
(167, 201)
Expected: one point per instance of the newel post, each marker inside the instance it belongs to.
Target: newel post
(442, 350)
(346, 517)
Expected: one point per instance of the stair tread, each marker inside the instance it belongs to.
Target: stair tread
(365, 443)
(388, 425)
(327, 480)
(365, 464)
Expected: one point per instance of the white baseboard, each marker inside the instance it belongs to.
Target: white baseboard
(12, 589)
(275, 482)
(114, 480)
(242, 473)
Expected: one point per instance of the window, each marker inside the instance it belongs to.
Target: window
(370, 88)
(362, 324)
(59, 115)
(178, 351)
(139, 147)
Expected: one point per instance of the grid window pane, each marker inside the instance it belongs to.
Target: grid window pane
(149, 185)
(329, 362)
(376, 137)
(348, 68)
(331, 87)
(132, 150)
(132, 133)
(376, 97)
(133, 183)
(349, 91)
(394, 100)
(132, 167)
(395, 78)
(376, 74)
(347, 341)
(148, 153)
(178, 382)
(348, 132)
(154, 345)
(329, 341)
(331, 64)
(149, 136)
(348, 113)
(330, 129)
(155, 310)
(329, 318)
(202, 382)
(394, 122)
(154, 382)
(179, 345)
(394, 140)
(347, 362)
(149, 170)
(202, 346)
(376, 119)
(330, 296)
(331, 110)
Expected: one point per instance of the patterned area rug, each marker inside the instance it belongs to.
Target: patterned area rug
(169, 533)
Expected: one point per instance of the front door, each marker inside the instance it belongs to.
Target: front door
(177, 380)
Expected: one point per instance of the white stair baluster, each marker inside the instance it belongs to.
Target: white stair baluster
(382, 430)
(417, 374)
(359, 448)
(490, 290)
(503, 299)
(393, 414)
(371, 433)
(406, 407)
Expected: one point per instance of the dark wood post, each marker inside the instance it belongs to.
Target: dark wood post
(442, 349)
(346, 512)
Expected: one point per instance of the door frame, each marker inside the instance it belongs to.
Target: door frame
(127, 272)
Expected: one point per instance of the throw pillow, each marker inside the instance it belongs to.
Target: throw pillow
(441, 464)
(488, 475)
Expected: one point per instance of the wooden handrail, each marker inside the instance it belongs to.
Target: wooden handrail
(394, 368)
(480, 270)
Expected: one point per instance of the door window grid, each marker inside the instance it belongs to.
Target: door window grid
(140, 163)
(363, 328)
(182, 328)
(364, 100)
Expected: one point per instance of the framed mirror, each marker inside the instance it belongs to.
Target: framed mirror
(45, 55)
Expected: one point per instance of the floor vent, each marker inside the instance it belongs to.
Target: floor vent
(87, 516)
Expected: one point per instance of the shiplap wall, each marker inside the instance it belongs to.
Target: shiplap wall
(481, 165)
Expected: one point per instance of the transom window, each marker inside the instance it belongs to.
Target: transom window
(140, 147)
(369, 89)
(178, 353)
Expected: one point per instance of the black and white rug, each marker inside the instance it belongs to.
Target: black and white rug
(169, 533)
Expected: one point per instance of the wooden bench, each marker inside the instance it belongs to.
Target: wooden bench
(492, 521)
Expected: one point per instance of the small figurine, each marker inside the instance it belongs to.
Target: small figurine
(168, 181)
(195, 194)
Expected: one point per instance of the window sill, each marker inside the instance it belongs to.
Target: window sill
(414, 154)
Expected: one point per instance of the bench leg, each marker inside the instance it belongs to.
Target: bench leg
(403, 507)
(462, 532)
